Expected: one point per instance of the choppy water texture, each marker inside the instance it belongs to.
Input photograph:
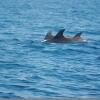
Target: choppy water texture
(30, 68)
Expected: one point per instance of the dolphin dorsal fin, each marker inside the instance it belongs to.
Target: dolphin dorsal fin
(59, 34)
(48, 36)
(78, 35)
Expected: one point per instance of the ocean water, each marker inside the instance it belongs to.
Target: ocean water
(30, 68)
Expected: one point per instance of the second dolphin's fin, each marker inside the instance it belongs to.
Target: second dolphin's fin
(77, 36)
(59, 34)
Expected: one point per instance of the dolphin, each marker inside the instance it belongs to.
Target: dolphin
(60, 38)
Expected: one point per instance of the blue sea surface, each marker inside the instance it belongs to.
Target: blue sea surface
(30, 68)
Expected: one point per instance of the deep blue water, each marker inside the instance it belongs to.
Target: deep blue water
(30, 68)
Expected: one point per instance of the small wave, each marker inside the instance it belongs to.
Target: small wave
(9, 95)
